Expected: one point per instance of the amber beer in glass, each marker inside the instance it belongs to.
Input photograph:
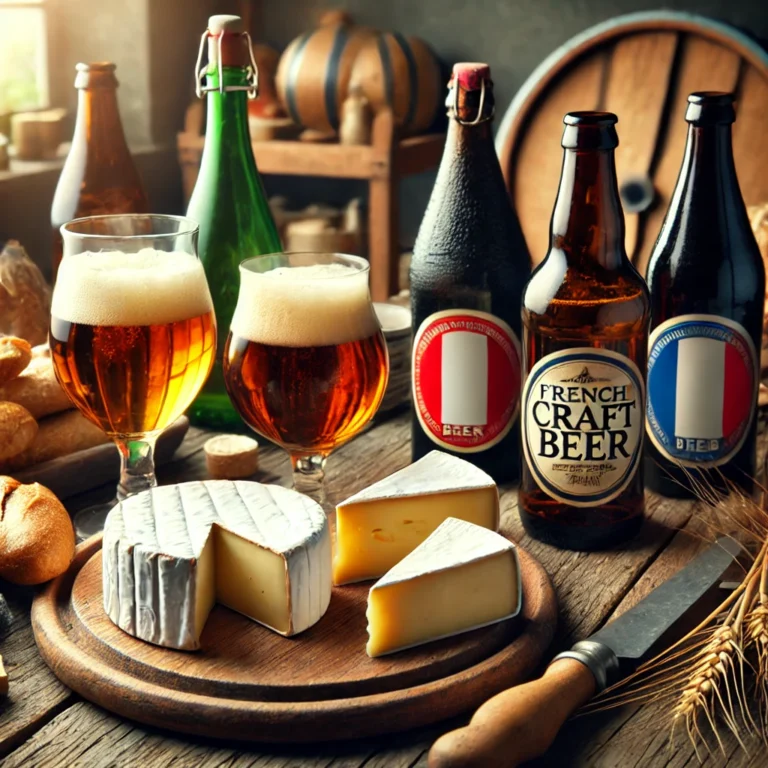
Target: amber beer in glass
(585, 334)
(306, 362)
(133, 334)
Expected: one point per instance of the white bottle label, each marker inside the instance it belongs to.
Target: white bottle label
(582, 424)
(466, 378)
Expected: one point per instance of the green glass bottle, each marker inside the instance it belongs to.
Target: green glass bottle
(228, 202)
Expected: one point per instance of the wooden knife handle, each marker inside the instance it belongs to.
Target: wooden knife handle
(518, 724)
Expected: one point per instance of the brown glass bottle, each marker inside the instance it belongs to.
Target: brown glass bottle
(585, 332)
(470, 264)
(707, 285)
(99, 176)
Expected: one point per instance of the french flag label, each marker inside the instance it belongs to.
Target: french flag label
(466, 379)
(582, 424)
(702, 389)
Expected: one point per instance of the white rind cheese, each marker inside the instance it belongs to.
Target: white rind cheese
(379, 526)
(172, 552)
(461, 578)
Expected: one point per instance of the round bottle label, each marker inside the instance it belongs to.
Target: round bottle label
(582, 424)
(466, 379)
(702, 389)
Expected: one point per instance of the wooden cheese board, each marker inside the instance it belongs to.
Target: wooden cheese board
(251, 684)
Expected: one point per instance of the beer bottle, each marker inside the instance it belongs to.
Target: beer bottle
(585, 335)
(228, 201)
(470, 263)
(707, 284)
(99, 176)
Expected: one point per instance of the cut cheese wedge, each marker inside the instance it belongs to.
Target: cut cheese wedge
(378, 527)
(171, 553)
(461, 578)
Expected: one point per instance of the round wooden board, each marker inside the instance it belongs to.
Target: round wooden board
(249, 683)
(641, 66)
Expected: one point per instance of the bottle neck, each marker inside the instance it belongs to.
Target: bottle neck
(588, 222)
(98, 120)
(227, 121)
(708, 162)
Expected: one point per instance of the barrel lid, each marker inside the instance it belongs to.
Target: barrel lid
(224, 22)
(470, 75)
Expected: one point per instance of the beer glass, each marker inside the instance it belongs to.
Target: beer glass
(133, 334)
(305, 362)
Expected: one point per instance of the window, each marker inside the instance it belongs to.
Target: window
(23, 56)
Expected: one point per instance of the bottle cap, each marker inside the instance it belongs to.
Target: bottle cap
(97, 74)
(710, 108)
(470, 75)
(225, 23)
(590, 130)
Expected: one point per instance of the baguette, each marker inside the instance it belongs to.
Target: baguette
(15, 355)
(17, 430)
(57, 435)
(37, 390)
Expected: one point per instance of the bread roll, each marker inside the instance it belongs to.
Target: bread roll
(37, 390)
(57, 435)
(15, 355)
(37, 541)
(17, 430)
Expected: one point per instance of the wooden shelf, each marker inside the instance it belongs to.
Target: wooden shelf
(381, 164)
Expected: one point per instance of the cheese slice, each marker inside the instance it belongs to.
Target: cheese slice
(171, 553)
(461, 578)
(379, 526)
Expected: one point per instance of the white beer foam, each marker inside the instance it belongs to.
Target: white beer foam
(319, 305)
(145, 288)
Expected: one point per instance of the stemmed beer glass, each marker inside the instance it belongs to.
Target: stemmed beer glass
(305, 362)
(133, 334)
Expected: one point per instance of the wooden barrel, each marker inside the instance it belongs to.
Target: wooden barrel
(401, 73)
(314, 71)
(642, 67)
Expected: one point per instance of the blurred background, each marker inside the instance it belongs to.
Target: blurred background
(154, 44)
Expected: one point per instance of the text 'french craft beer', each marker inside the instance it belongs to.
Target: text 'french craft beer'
(470, 263)
(306, 361)
(585, 333)
(707, 284)
(133, 336)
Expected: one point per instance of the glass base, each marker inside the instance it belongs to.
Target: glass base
(90, 521)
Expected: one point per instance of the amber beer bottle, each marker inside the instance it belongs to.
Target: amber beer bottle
(585, 334)
(99, 176)
(707, 284)
(470, 263)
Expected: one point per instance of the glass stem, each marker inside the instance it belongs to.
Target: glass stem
(137, 466)
(309, 476)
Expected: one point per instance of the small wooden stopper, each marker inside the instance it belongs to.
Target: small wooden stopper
(231, 457)
(3, 679)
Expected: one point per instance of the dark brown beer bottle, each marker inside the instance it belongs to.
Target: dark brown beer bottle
(707, 284)
(99, 176)
(470, 263)
(585, 333)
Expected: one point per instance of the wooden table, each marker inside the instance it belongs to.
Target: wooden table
(42, 723)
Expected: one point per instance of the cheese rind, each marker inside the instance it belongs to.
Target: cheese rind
(379, 526)
(461, 578)
(171, 552)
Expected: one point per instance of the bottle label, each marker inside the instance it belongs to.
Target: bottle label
(582, 424)
(466, 379)
(702, 389)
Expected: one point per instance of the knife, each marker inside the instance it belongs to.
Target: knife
(521, 723)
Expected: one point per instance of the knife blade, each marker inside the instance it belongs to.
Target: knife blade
(522, 722)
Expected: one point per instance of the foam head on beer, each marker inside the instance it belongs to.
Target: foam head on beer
(312, 306)
(145, 288)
